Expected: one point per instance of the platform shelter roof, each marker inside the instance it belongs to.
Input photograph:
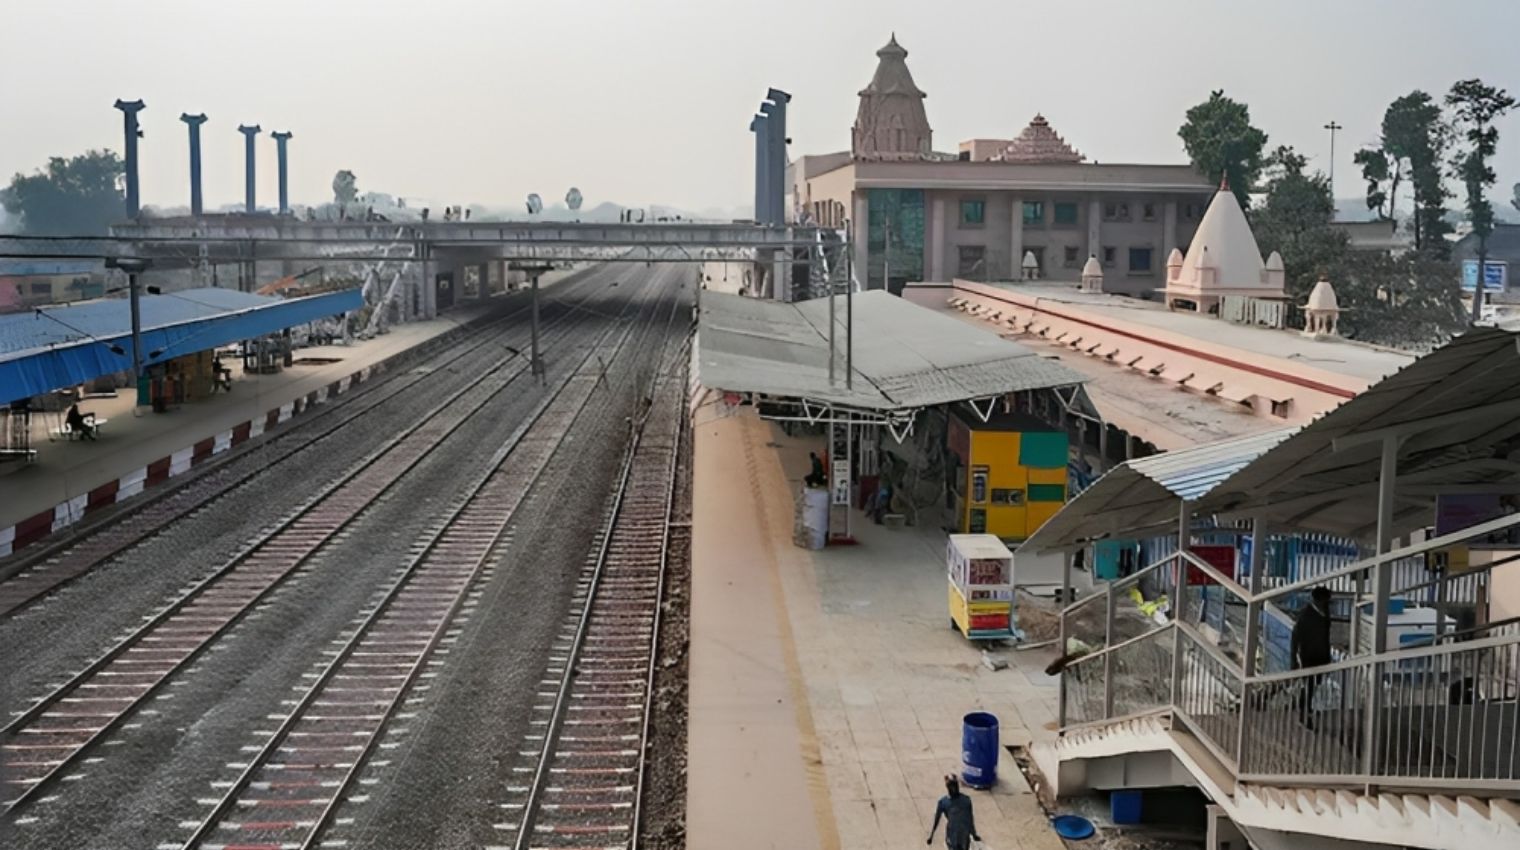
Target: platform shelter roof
(1143, 497)
(1453, 417)
(905, 357)
(48, 348)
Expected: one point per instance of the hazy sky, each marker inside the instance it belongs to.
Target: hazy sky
(448, 101)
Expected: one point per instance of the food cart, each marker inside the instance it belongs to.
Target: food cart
(981, 586)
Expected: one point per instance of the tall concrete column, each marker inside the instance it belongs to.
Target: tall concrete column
(279, 148)
(757, 125)
(248, 172)
(778, 154)
(1168, 229)
(195, 122)
(860, 226)
(1016, 238)
(937, 234)
(1095, 229)
(129, 110)
(483, 291)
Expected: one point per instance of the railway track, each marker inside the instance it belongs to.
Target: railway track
(58, 565)
(51, 736)
(287, 793)
(585, 783)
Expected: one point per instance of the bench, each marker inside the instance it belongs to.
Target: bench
(96, 422)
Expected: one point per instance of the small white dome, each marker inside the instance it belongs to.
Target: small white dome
(1323, 297)
(1174, 259)
(1093, 268)
(1029, 261)
(1274, 262)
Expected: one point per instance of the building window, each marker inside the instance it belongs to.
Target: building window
(1190, 211)
(972, 262)
(973, 213)
(1116, 211)
(1148, 212)
(1108, 256)
(1066, 213)
(1071, 256)
(1034, 212)
(1139, 260)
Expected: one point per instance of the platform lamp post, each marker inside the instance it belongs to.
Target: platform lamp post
(133, 266)
(533, 270)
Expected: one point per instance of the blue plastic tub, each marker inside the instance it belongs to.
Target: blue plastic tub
(979, 750)
(1124, 806)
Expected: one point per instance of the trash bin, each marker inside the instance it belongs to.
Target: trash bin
(979, 750)
(1124, 807)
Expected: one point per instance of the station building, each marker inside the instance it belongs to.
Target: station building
(1030, 206)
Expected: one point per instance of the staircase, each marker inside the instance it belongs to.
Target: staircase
(1441, 821)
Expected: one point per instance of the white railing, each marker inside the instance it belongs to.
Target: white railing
(1442, 715)
(1245, 310)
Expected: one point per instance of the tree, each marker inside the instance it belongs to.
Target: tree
(345, 187)
(1408, 300)
(1414, 140)
(1477, 105)
(1294, 220)
(81, 196)
(1223, 145)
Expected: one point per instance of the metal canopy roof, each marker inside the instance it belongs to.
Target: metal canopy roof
(906, 357)
(1142, 496)
(52, 347)
(1456, 412)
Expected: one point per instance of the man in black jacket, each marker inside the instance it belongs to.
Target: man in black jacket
(1311, 647)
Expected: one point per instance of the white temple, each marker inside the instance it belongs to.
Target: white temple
(1222, 259)
(891, 123)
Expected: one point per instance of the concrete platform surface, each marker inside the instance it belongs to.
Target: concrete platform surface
(827, 688)
(66, 472)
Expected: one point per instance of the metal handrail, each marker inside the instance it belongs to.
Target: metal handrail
(1430, 545)
(1386, 657)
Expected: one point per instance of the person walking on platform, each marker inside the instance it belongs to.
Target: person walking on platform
(960, 822)
(1310, 647)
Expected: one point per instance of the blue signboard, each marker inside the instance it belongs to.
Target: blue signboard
(1495, 275)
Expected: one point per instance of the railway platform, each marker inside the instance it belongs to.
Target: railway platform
(137, 449)
(826, 693)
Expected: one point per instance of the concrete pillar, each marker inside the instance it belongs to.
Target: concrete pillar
(483, 292)
(248, 166)
(778, 156)
(282, 164)
(1095, 229)
(1016, 238)
(129, 110)
(195, 122)
(860, 226)
(1169, 229)
(937, 236)
(757, 125)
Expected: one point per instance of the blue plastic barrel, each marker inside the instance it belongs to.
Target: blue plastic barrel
(979, 750)
(1124, 807)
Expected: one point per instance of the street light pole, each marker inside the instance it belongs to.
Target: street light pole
(1332, 127)
(133, 267)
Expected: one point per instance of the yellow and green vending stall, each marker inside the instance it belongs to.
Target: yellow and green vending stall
(1011, 476)
(980, 568)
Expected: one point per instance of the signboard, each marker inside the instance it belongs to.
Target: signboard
(1465, 510)
(1221, 558)
(841, 482)
(1495, 275)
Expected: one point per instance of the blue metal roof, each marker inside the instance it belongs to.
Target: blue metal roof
(53, 347)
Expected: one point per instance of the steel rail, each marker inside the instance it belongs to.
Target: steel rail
(55, 697)
(415, 567)
(479, 336)
(531, 808)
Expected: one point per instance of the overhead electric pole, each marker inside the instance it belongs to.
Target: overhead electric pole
(1332, 127)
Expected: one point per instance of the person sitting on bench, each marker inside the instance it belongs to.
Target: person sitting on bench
(79, 423)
